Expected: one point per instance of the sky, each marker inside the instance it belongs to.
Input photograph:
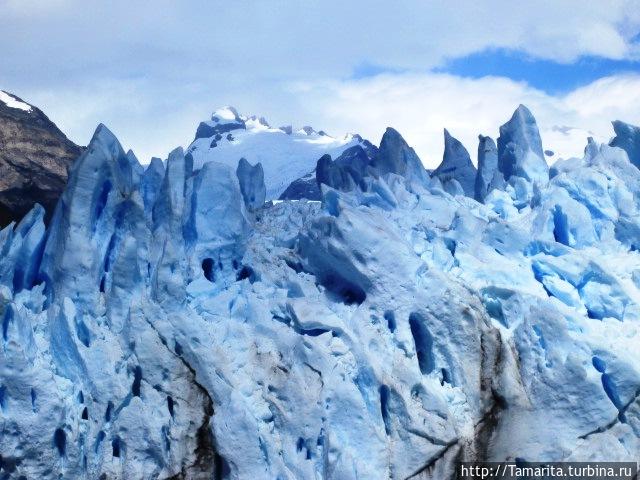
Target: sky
(151, 71)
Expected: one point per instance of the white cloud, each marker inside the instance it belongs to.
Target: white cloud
(209, 41)
(420, 106)
(152, 70)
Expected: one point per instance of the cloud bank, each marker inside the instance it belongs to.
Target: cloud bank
(152, 70)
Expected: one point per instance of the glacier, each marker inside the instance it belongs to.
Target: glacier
(173, 322)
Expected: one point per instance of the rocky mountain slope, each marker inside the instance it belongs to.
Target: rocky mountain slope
(171, 324)
(34, 158)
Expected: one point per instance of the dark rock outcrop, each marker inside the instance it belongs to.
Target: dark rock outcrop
(304, 187)
(34, 158)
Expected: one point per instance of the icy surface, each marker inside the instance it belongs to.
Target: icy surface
(488, 177)
(285, 154)
(251, 178)
(456, 165)
(167, 325)
(520, 149)
(628, 138)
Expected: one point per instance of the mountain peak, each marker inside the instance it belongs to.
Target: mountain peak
(226, 114)
(286, 153)
(34, 158)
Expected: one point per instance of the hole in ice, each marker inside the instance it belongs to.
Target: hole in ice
(9, 465)
(109, 412)
(593, 315)
(300, 444)
(82, 332)
(178, 348)
(560, 226)
(246, 273)
(137, 379)
(109, 252)
(6, 320)
(208, 267)
(165, 435)
(423, 342)
(85, 414)
(101, 201)
(417, 390)
(80, 397)
(344, 291)
(221, 467)
(60, 441)
(99, 440)
(446, 377)
(451, 245)
(170, 405)
(390, 317)
(599, 364)
(384, 407)
(115, 447)
(3, 397)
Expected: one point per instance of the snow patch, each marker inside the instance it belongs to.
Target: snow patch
(12, 102)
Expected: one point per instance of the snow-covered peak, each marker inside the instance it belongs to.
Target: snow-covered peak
(225, 115)
(12, 101)
(286, 153)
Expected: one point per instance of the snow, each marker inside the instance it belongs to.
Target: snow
(390, 329)
(225, 113)
(284, 157)
(12, 102)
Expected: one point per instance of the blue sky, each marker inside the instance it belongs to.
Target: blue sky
(152, 70)
(550, 76)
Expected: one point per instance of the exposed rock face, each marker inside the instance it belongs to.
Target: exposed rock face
(304, 187)
(34, 157)
(628, 138)
(456, 165)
